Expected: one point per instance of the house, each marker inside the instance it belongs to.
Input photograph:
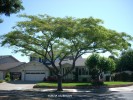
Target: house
(35, 70)
(6, 63)
(80, 73)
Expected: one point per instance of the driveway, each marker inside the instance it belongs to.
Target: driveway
(17, 85)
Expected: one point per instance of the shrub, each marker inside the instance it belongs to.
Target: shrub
(52, 79)
(125, 76)
(84, 80)
(107, 78)
(97, 82)
(7, 77)
(1, 81)
(122, 77)
(131, 77)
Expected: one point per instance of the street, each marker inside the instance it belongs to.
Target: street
(24, 91)
(92, 94)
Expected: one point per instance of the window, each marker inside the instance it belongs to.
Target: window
(83, 71)
(35, 73)
(79, 71)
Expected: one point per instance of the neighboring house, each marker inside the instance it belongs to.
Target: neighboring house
(6, 63)
(80, 73)
(36, 71)
(32, 71)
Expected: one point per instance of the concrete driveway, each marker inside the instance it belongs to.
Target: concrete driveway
(17, 85)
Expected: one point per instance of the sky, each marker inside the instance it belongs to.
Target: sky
(116, 14)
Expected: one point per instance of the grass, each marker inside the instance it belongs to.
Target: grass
(117, 83)
(46, 84)
(64, 84)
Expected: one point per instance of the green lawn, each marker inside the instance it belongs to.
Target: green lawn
(44, 84)
(117, 83)
(64, 84)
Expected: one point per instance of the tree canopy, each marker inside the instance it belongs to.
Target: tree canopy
(126, 61)
(97, 64)
(56, 38)
(9, 7)
(101, 63)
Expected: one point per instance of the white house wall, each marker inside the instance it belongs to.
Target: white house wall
(1, 75)
(70, 76)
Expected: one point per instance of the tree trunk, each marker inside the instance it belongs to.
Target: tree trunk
(59, 79)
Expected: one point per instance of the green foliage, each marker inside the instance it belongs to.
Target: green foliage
(7, 77)
(83, 84)
(94, 72)
(38, 33)
(117, 83)
(55, 38)
(107, 64)
(97, 65)
(8, 7)
(93, 61)
(122, 77)
(126, 61)
(97, 83)
(131, 77)
(1, 81)
(101, 63)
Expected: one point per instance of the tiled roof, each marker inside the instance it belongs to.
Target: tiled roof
(7, 66)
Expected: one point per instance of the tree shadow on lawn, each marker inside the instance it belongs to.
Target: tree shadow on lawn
(35, 95)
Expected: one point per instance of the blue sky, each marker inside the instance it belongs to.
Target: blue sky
(116, 14)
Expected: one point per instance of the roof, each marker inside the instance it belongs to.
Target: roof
(5, 56)
(1, 57)
(79, 62)
(7, 66)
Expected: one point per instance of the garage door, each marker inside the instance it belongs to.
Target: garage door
(34, 76)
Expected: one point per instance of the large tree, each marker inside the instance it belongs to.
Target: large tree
(56, 38)
(9, 7)
(126, 61)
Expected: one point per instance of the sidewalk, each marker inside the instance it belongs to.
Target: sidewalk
(71, 90)
(96, 90)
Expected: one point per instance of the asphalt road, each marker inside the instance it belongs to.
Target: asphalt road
(94, 94)
(24, 91)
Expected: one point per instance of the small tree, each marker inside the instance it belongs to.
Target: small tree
(56, 38)
(107, 64)
(98, 64)
(7, 77)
